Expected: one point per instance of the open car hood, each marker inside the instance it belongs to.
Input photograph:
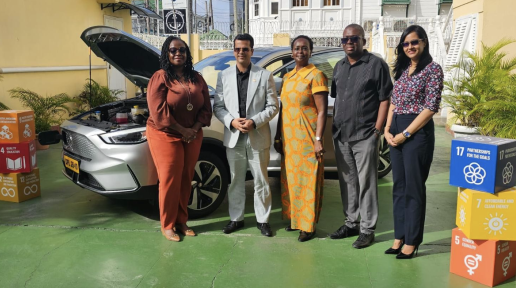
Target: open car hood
(133, 57)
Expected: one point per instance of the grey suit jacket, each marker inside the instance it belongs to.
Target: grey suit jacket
(262, 105)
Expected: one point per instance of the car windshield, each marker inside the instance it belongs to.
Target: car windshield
(211, 66)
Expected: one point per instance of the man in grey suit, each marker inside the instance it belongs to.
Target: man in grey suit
(245, 102)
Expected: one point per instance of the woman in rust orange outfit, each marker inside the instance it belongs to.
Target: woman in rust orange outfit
(304, 105)
(179, 105)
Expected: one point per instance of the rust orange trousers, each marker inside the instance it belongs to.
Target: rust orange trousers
(175, 162)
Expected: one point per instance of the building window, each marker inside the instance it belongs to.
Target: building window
(274, 8)
(297, 3)
(331, 2)
(256, 10)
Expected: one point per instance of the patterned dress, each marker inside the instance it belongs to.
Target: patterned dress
(302, 175)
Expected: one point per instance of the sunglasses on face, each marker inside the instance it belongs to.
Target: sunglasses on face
(173, 51)
(353, 39)
(413, 43)
(245, 50)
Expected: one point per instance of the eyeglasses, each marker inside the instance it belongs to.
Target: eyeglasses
(245, 50)
(354, 39)
(413, 43)
(173, 51)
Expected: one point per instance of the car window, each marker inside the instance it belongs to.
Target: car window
(277, 63)
(323, 61)
(211, 66)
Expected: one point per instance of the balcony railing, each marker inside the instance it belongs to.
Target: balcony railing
(395, 2)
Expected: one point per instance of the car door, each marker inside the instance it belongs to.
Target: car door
(324, 61)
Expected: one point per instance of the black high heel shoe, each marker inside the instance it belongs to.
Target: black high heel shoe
(392, 251)
(409, 256)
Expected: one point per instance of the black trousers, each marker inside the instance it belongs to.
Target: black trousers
(410, 167)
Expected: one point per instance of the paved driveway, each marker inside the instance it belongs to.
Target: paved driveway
(74, 238)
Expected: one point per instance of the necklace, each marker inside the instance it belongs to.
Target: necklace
(189, 107)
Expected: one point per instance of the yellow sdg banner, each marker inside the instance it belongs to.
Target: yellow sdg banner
(485, 216)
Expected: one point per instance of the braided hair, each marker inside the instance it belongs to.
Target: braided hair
(189, 73)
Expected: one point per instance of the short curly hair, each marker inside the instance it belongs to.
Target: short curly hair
(310, 42)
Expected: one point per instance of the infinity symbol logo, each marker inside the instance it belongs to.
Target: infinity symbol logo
(30, 189)
(474, 173)
(8, 192)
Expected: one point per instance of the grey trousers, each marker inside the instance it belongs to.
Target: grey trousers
(241, 157)
(357, 165)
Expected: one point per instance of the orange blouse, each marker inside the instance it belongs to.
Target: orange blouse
(167, 101)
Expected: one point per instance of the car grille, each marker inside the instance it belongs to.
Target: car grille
(88, 180)
(79, 144)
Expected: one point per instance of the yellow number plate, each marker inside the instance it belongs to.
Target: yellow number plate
(71, 164)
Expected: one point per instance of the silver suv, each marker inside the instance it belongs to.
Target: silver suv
(114, 159)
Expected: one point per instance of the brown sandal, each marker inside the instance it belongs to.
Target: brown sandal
(174, 237)
(187, 232)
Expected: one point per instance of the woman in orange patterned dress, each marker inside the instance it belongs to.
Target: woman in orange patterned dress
(304, 105)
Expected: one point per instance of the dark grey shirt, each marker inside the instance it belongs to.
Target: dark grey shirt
(242, 83)
(358, 89)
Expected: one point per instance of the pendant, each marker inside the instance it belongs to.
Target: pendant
(189, 107)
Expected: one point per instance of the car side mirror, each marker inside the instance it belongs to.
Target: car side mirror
(49, 137)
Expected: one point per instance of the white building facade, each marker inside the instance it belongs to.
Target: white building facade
(352, 11)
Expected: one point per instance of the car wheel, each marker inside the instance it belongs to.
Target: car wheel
(384, 165)
(209, 185)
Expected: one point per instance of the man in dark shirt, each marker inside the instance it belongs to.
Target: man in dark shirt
(245, 101)
(362, 86)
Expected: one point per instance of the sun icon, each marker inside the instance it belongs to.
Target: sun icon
(462, 215)
(496, 223)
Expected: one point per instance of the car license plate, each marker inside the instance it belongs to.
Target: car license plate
(71, 163)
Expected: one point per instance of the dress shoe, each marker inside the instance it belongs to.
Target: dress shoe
(289, 229)
(265, 229)
(185, 230)
(170, 235)
(232, 226)
(343, 232)
(392, 251)
(305, 236)
(364, 240)
(409, 256)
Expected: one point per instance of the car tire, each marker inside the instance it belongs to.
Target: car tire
(384, 163)
(209, 186)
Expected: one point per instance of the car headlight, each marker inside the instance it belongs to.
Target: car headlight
(125, 137)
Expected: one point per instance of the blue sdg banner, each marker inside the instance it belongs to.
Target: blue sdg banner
(483, 163)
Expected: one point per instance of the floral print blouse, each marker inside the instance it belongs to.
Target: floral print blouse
(412, 94)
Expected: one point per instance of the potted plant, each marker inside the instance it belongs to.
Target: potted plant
(94, 95)
(48, 111)
(478, 80)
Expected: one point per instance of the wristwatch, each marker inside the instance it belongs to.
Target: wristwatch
(377, 132)
(317, 138)
(406, 134)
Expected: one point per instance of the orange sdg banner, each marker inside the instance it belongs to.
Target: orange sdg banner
(489, 262)
(17, 126)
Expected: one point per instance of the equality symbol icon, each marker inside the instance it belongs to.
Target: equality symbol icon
(506, 263)
(472, 263)
(30, 189)
(474, 173)
(507, 173)
(8, 192)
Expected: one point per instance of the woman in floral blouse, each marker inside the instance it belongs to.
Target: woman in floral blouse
(416, 97)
